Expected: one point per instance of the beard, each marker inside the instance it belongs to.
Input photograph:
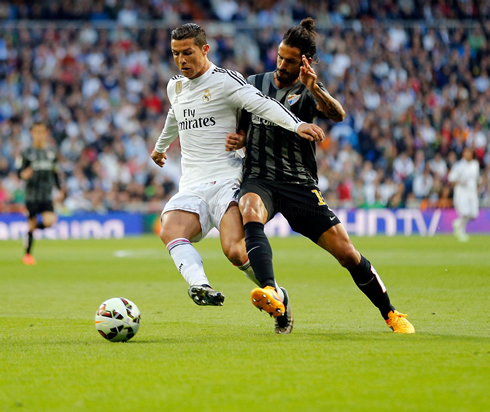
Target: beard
(285, 77)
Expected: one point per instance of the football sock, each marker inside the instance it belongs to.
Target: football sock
(40, 225)
(372, 286)
(247, 270)
(462, 225)
(188, 261)
(260, 253)
(457, 224)
(30, 241)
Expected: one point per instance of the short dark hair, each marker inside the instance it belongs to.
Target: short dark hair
(303, 37)
(190, 31)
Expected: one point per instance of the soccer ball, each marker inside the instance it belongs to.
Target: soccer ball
(117, 319)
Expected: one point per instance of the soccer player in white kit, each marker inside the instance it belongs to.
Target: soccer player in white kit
(206, 102)
(464, 175)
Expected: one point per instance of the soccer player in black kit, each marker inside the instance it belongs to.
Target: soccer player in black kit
(280, 175)
(38, 167)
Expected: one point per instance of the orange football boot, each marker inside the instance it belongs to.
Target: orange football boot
(28, 259)
(399, 323)
(267, 299)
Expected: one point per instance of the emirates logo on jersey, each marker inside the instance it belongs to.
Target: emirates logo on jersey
(207, 96)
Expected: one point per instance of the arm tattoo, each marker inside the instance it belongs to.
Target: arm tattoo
(332, 108)
(334, 111)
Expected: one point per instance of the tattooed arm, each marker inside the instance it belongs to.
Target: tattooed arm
(329, 106)
(326, 104)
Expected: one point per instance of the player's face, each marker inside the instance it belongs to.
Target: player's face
(288, 64)
(467, 154)
(39, 135)
(190, 58)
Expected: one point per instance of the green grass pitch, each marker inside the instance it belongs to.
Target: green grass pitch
(340, 357)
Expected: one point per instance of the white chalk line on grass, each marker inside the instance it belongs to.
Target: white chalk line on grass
(160, 253)
(135, 253)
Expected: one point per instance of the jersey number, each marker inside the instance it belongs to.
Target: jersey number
(321, 200)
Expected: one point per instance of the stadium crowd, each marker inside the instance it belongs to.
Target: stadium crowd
(415, 93)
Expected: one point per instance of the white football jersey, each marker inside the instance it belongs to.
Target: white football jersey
(465, 174)
(203, 111)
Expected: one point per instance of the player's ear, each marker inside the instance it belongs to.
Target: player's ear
(205, 49)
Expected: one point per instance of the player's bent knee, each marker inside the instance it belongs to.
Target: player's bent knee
(166, 235)
(49, 220)
(235, 253)
(348, 257)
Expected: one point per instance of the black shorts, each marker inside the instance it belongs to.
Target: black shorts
(303, 206)
(36, 208)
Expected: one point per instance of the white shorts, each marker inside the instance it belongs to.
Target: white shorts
(466, 204)
(209, 200)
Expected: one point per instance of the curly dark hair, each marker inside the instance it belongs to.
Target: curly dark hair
(303, 37)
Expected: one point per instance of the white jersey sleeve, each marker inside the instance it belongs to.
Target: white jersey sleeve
(170, 130)
(246, 96)
(454, 174)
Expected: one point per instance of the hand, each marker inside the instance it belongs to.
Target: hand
(307, 75)
(159, 158)
(235, 141)
(27, 173)
(312, 132)
(60, 197)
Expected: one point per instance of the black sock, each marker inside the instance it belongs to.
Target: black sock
(371, 285)
(259, 253)
(40, 225)
(30, 240)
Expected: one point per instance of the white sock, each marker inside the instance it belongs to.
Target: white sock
(247, 270)
(457, 225)
(188, 261)
(464, 222)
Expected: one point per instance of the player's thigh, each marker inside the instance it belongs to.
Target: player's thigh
(256, 201)
(466, 205)
(179, 224)
(32, 210)
(186, 215)
(474, 207)
(232, 235)
(460, 204)
(306, 211)
(222, 198)
(49, 218)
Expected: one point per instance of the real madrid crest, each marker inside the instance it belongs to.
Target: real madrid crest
(178, 87)
(207, 96)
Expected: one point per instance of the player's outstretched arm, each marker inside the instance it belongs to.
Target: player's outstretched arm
(310, 131)
(159, 158)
